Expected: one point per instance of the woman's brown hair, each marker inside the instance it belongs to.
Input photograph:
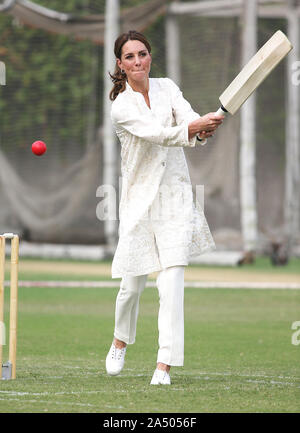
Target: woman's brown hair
(119, 78)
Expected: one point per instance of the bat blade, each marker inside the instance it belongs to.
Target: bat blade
(255, 71)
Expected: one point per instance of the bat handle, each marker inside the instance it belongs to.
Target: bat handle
(221, 111)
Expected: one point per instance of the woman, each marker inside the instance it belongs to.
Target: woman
(160, 226)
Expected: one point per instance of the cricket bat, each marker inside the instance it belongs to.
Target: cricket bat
(254, 73)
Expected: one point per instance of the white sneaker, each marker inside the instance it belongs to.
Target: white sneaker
(115, 360)
(160, 377)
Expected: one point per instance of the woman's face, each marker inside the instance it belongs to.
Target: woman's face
(135, 61)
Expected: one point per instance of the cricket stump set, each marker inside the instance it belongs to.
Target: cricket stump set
(8, 369)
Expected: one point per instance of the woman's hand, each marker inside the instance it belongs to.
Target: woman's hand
(205, 125)
(205, 134)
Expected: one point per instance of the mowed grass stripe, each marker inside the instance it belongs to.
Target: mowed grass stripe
(195, 284)
(262, 272)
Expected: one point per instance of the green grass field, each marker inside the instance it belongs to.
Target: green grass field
(238, 352)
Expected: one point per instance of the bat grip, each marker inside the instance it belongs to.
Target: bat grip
(221, 111)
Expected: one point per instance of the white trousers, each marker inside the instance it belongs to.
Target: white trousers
(170, 284)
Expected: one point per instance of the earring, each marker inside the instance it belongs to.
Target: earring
(122, 71)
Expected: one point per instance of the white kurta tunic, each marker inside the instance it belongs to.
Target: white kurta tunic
(160, 224)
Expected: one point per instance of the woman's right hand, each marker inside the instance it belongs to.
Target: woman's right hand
(208, 123)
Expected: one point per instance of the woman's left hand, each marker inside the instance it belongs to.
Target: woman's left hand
(206, 134)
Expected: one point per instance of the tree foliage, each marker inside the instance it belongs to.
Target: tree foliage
(48, 81)
(50, 88)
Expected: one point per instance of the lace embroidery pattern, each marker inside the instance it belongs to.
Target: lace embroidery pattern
(153, 156)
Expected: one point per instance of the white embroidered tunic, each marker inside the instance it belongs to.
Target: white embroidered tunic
(160, 225)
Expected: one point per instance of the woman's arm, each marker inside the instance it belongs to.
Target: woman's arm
(147, 128)
(182, 109)
(202, 126)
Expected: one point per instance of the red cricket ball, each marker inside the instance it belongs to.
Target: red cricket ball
(38, 147)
